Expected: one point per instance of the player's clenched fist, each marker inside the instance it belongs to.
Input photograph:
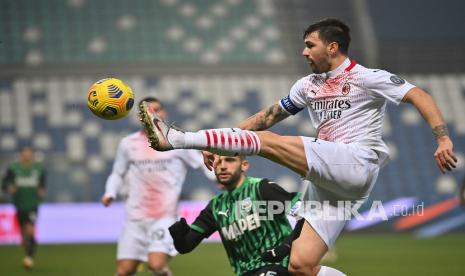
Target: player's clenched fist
(106, 201)
(444, 155)
(179, 228)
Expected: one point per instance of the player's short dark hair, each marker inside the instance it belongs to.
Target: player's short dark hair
(151, 100)
(331, 30)
(24, 147)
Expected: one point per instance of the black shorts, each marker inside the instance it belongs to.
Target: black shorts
(269, 270)
(25, 217)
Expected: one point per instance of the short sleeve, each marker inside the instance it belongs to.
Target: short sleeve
(386, 85)
(205, 222)
(193, 158)
(295, 101)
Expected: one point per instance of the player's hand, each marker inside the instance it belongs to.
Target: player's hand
(11, 189)
(210, 160)
(179, 229)
(107, 200)
(444, 155)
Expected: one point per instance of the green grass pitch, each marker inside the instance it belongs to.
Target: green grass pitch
(358, 254)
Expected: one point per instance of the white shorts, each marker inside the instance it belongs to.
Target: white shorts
(139, 238)
(340, 174)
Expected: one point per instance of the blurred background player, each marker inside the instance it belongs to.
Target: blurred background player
(234, 214)
(153, 181)
(25, 182)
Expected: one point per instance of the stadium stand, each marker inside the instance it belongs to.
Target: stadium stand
(421, 37)
(89, 32)
(58, 123)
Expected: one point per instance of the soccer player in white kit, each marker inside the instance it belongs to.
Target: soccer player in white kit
(346, 103)
(154, 180)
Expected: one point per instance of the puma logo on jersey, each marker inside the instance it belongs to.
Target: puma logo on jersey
(226, 214)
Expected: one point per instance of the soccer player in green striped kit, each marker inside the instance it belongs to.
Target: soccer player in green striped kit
(25, 181)
(250, 216)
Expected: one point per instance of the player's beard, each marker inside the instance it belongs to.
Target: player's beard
(232, 180)
(322, 66)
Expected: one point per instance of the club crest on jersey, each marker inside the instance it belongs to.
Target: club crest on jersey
(397, 80)
(346, 88)
(246, 205)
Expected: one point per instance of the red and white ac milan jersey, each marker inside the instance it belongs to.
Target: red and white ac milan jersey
(347, 105)
(154, 179)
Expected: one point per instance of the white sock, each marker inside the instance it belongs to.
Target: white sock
(223, 141)
(329, 271)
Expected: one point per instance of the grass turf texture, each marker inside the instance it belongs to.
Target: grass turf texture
(358, 254)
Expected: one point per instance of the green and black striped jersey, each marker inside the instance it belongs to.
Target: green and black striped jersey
(27, 180)
(250, 219)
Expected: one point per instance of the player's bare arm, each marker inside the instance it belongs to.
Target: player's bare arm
(265, 118)
(444, 155)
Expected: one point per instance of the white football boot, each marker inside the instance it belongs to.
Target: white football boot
(157, 130)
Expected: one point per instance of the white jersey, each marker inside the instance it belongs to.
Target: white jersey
(347, 105)
(154, 179)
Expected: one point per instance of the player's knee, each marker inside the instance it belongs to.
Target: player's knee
(299, 265)
(294, 268)
(158, 268)
(29, 229)
(125, 273)
(161, 272)
(123, 270)
(156, 265)
(30, 232)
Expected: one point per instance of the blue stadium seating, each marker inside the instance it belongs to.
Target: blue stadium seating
(79, 147)
(52, 32)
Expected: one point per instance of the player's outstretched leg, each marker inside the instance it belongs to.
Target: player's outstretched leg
(285, 150)
(225, 141)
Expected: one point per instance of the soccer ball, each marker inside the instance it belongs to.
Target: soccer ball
(110, 99)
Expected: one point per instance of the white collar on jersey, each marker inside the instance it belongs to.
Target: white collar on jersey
(345, 64)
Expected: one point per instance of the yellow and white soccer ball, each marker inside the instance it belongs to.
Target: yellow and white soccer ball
(110, 99)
